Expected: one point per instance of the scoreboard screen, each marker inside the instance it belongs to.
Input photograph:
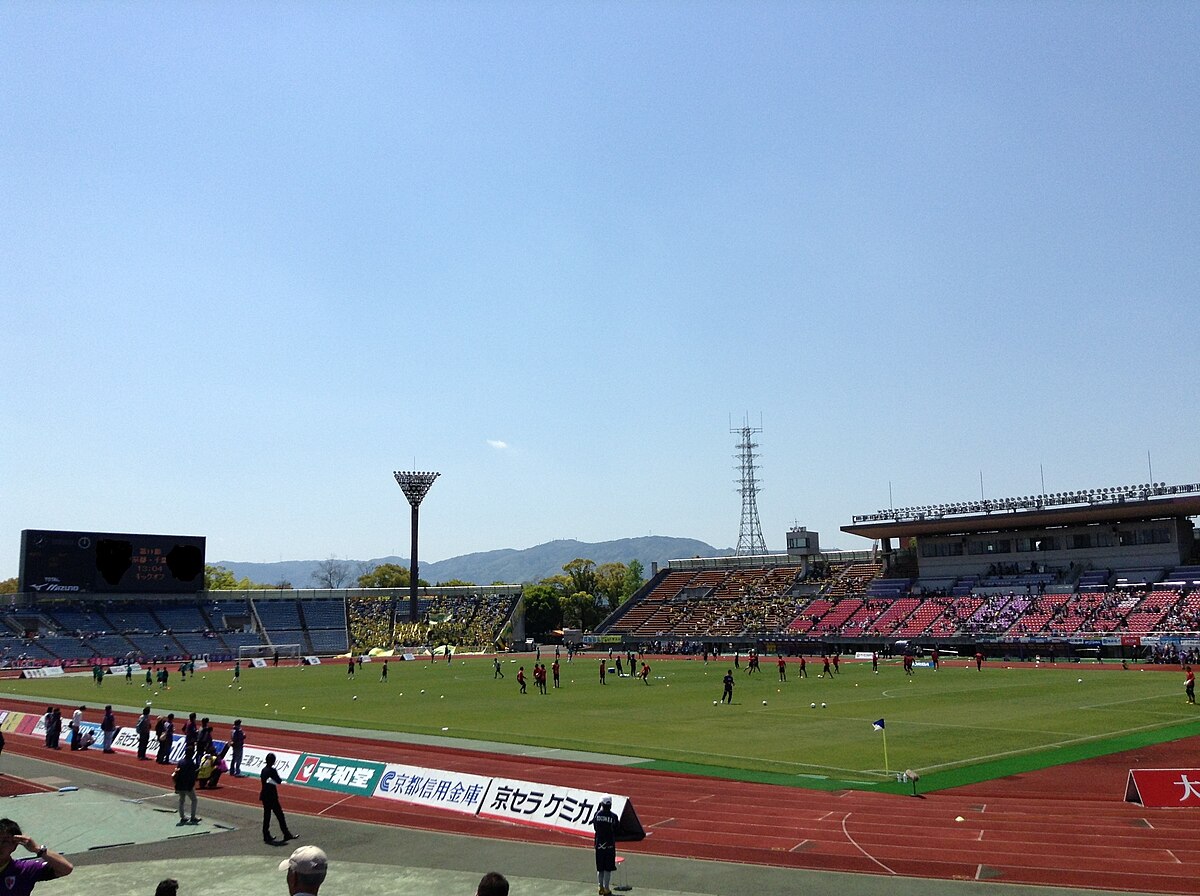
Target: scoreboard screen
(104, 562)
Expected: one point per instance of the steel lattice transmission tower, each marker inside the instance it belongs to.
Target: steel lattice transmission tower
(750, 537)
(414, 485)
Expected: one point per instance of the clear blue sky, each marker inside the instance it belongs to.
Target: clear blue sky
(257, 256)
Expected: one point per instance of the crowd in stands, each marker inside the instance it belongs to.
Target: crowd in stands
(466, 621)
(856, 602)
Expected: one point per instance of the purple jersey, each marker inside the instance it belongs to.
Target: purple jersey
(18, 877)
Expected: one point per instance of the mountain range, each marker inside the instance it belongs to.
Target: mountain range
(509, 565)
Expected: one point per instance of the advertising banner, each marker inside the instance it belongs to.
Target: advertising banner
(1164, 788)
(563, 808)
(456, 791)
(335, 773)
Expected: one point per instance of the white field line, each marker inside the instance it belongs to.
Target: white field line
(860, 849)
(335, 805)
(1038, 748)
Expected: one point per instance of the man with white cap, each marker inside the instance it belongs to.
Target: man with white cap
(605, 823)
(305, 869)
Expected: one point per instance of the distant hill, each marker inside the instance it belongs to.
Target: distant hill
(508, 565)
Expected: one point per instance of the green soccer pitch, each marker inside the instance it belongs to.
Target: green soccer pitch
(953, 726)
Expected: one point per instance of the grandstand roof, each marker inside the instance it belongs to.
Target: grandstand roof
(1110, 512)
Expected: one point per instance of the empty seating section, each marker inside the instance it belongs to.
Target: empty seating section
(1095, 578)
(1140, 576)
(325, 620)
(888, 588)
(1188, 576)
(114, 631)
(278, 615)
(854, 579)
(638, 615)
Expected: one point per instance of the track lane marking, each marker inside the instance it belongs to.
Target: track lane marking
(854, 843)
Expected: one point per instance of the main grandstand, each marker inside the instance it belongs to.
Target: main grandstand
(1109, 573)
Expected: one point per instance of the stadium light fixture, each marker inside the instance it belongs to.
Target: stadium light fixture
(415, 486)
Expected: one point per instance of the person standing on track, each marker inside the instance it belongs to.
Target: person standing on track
(108, 729)
(605, 823)
(77, 729)
(268, 795)
(237, 743)
(166, 738)
(184, 777)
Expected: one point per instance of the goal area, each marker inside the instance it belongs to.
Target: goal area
(287, 653)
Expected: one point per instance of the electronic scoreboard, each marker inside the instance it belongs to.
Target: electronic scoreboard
(104, 562)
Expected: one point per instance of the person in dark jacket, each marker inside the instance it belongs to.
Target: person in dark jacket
(185, 788)
(604, 823)
(268, 795)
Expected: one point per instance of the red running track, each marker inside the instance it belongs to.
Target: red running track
(1065, 826)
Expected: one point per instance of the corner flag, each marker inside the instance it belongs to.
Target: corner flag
(878, 726)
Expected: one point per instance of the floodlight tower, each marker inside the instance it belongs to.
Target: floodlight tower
(750, 537)
(414, 486)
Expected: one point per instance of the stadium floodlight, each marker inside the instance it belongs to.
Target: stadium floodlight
(415, 486)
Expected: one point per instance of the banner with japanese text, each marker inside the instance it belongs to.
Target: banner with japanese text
(1164, 788)
(456, 791)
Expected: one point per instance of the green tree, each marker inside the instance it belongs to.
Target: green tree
(218, 578)
(581, 610)
(9, 586)
(455, 583)
(610, 584)
(388, 575)
(582, 574)
(560, 583)
(635, 578)
(543, 610)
